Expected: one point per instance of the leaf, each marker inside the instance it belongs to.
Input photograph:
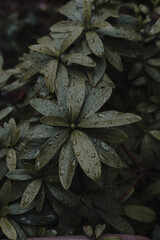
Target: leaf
(8, 229)
(88, 230)
(40, 131)
(113, 57)
(155, 134)
(87, 12)
(62, 78)
(70, 11)
(99, 229)
(140, 213)
(67, 165)
(95, 74)
(76, 94)
(95, 100)
(46, 107)
(108, 119)
(55, 121)
(95, 43)
(4, 112)
(135, 70)
(11, 159)
(42, 49)
(50, 148)
(50, 71)
(106, 12)
(3, 166)
(154, 61)
(40, 198)
(70, 38)
(5, 193)
(30, 192)
(106, 154)
(16, 209)
(154, 73)
(103, 25)
(79, 58)
(19, 174)
(63, 26)
(19, 230)
(86, 155)
(65, 197)
(155, 28)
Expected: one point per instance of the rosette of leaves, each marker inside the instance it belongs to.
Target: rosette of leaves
(96, 24)
(146, 67)
(71, 117)
(47, 57)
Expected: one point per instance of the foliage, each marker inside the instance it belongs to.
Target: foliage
(68, 162)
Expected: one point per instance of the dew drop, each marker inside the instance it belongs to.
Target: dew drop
(74, 143)
(78, 154)
(93, 155)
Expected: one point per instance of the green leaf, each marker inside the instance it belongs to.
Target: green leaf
(87, 12)
(67, 165)
(113, 57)
(95, 74)
(46, 107)
(70, 11)
(76, 94)
(11, 159)
(62, 77)
(5, 193)
(64, 27)
(70, 38)
(108, 119)
(30, 168)
(42, 49)
(16, 209)
(106, 154)
(103, 25)
(19, 174)
(65, 197)
(154, 73)
(95, 100)
(50, 148)
(106, 12)
(19, 230)
(4, 112)
(50, 71)
(140, 213)
(155, 134)
(79, 58)
(135, 70)
(40, 198)
(30, 193)
(8, 229)
(40, 131)
(86, 155)
(95, 44)
(55, 121)
(154, 62)
(155, 28)
(88, 230)
(99, 229)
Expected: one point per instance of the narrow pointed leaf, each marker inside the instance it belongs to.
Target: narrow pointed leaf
(108, 119)
(55, 121)
(103, 25)
(30, 193)
(50, 71)
(154, 61)
(76, 94)
(50, 148)
(140, 213)
(8, 229)
(88, 230)
(67, 198)
(40, 131)
(96, 99)
(19, 174)
(49, 43)
(5, 193)
(99, 230)
(16, 209)
(87, 11)
(86, 155)
(114, 58)
(106, 154)
(46, 107)
(41, 49)
(155, 134)
(67, 165)
(70, 38)
(4, 112)
(11, 159)
(63, 27)
(155, 28)
(40, 198)
(70, 11)
(95, 43)
(80, 59)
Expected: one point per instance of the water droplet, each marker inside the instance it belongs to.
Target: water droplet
(74, 143)
(90, 61)
(93, 155)
(110, 122)
(78, 154)
(38, 165)
(91, 41)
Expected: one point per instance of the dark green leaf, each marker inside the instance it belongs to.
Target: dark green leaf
(95, 43)
(79, 58)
